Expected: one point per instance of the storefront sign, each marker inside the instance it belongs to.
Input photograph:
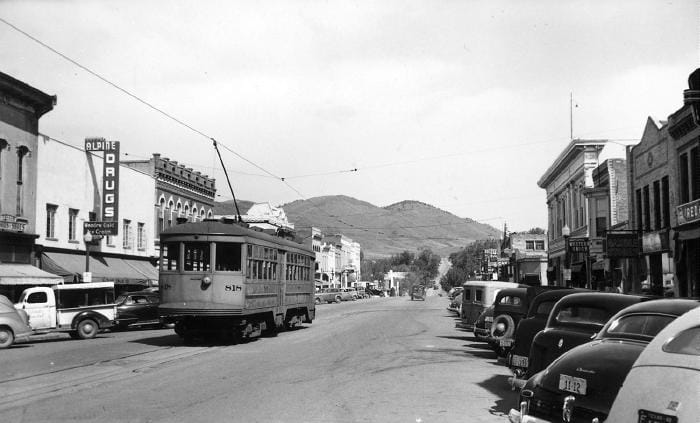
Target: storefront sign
(578, 245)
(688, 212)
(596, 246)
(655, 242)
(10, 223)
(101, 228)
(110, 177)
(620, 245)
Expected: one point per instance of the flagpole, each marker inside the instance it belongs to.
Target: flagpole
(571, 116)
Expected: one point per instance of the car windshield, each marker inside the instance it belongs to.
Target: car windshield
(644, 326)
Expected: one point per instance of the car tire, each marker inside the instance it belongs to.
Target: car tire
(338, 299)
(7, 337)
(87, 329)
(509, 329)
(318, 300)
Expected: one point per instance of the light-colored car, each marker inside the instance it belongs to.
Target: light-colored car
(14, 324)
(664, 381)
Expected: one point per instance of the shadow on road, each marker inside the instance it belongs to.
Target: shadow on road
(498, 385)
(459, 338)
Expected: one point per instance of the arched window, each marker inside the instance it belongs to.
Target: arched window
(3, 145)
(194, 213)
(21, 152)
(178, 208)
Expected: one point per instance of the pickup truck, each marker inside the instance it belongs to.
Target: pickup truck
(81, 309)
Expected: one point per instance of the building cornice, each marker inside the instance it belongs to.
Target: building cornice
(566, 157)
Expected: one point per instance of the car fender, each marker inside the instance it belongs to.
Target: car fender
(102, 321)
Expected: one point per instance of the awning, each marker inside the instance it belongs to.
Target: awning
(686, 234)
(114, 269)
(26, 274)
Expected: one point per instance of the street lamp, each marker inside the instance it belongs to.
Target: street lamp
(566, 232)
(87, 237)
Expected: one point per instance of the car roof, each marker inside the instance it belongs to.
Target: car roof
(654, 354)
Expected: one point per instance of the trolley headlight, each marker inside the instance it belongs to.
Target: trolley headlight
(206, 280)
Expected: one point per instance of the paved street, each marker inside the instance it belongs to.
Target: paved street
(381, 359)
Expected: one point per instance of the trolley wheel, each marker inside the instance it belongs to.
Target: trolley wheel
(7, 337)
(87, 329)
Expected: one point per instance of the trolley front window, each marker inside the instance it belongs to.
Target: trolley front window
(197, 256)
(171, 253)
(228, 257)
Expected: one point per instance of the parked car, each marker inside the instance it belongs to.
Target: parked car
(581, 385)
(353, 292)
(533, 323)
(14, 324)
(509, 307)
(482, 326)
(456, 291)
(672, 362)
(477, 295)
(456, 305)
(135, 309)
(328, 295)
(574, 320)
(418, 292)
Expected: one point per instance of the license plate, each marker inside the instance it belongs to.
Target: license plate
(572, 384)
(518, 361)
(651, 417)
(505, 342)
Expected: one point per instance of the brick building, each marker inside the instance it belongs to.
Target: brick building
(21, 107)
(181, 193)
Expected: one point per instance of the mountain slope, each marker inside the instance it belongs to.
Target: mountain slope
(382, 231)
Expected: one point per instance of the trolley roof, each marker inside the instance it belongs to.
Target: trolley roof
(211, 227)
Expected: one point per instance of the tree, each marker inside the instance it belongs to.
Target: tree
(538, 231)
(454, 277)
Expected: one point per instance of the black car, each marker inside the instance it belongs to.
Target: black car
(530, 325)
(137, 309)
(581, 385)
(575, 320)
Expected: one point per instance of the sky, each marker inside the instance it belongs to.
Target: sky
(459, 104)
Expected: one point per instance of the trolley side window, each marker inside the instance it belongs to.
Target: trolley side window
(298, 267)
(197, 257)
(171, 253)
(228, 257)
(261, 263)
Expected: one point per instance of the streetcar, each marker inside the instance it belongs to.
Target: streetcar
(221, 280)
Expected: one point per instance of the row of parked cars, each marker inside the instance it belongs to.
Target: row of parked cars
(587, 356)
(336, 295)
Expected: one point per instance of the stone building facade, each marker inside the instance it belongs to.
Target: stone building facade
(565, 183)
(181, 194)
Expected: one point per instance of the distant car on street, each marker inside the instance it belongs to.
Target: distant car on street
(418, 292)
(328, 295)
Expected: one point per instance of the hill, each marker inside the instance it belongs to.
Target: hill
(381, 231)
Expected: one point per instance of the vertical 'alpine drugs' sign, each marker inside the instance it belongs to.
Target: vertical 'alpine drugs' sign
(110, 176)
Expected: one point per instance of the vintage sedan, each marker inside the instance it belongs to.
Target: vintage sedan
(574, 320)
(531, 325)
(14, 324)
(135, 309)
(580, 386)
(663, 384)
(510, 307)
(482, 326)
